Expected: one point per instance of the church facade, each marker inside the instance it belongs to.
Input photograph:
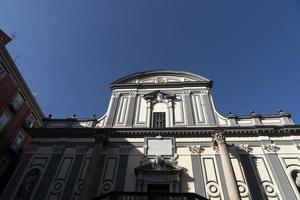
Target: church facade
(161, 135)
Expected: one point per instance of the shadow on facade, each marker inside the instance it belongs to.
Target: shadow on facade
(254, 183)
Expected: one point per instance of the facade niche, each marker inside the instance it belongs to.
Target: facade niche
(28, 184)
(296, 178)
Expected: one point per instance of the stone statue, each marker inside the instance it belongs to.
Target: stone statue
(297, 180)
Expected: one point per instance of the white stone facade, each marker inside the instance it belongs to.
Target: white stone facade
(123, 151)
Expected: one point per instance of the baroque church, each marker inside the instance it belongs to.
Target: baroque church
(161, 138)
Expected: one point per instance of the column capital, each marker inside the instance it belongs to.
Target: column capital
(218, 137)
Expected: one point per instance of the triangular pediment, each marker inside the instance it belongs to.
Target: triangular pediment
(155, 94)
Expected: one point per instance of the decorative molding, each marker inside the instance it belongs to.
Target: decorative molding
(270, 147)
(132, 94)
(218, 137)
(195, 149)
(115, 94)
(166, 132)
(244, 192)
(82, 148)
(213, 189)
(58, 149)
(212, 182)
(244, 147)
(158, 170)
(166, 144)
(186, 92)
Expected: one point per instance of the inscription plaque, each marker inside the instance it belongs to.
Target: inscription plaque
(159, 146)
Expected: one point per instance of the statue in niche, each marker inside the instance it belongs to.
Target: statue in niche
(297, 181)
(28, 184)
(296, 178)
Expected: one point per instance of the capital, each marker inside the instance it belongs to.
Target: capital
(218, 137)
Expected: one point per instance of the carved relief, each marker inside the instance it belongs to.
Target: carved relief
(243, 189)
(218, 137)
(270, 147)
(195, 149)
(244, 147)
(158, 170)
(160, 80)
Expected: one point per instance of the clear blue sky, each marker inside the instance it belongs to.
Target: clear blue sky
(69, 51)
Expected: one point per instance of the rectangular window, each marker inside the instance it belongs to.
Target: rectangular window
(17, 102)
(16, 145)
(30, 121)
(159, 119)
(4, 118)
(2, 71)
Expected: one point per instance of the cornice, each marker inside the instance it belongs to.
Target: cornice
(254, 131)
(166, 85)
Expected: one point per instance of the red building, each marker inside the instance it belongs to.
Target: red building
(18, 111)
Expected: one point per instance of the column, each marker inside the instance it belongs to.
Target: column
(219, 141)
(89, 186)
(170, 112)
(149, 116)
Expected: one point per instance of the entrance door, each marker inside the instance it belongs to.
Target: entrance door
(158, 188)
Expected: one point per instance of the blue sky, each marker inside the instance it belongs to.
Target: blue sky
(70, 51)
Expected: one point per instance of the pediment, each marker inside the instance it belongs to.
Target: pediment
(161, 77)
(159, 94)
